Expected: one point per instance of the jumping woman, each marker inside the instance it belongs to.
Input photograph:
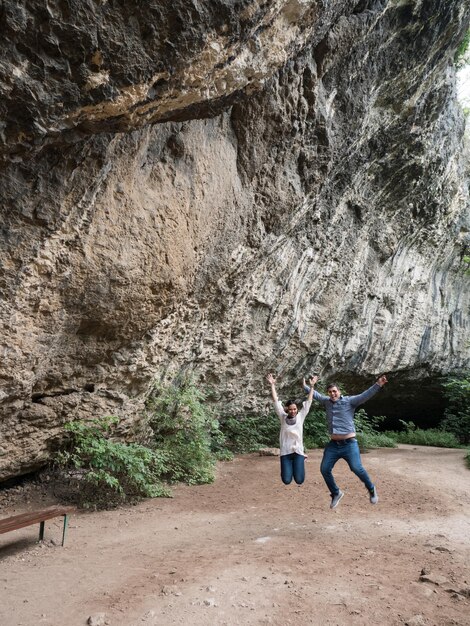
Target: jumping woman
(291, 434)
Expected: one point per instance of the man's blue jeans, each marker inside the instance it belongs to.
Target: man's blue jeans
(292, 466)
(347, 449)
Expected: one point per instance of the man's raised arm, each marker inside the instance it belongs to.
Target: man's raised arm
(312, 381)
(368, 393)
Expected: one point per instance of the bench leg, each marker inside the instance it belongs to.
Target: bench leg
(65, 528)
(42, 524)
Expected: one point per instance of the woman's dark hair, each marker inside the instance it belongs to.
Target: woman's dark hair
(289, 402)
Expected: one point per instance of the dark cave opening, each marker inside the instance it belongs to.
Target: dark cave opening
(405, 397)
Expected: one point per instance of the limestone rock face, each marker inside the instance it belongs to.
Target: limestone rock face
(228, 187)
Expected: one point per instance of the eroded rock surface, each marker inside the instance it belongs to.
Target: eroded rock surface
(230, 188)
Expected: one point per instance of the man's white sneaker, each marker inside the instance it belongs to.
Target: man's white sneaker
(373, 497)
(335, 499)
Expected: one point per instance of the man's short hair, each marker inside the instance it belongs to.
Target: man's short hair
(331, 385)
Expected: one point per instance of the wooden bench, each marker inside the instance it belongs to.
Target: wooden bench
(36, 517)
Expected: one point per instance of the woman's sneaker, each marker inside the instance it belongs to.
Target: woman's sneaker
(373, 497)
(335, 499)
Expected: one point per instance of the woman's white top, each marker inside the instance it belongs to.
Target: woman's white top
(291, 436)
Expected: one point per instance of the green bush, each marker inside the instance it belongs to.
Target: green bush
(102, 472)
(250, 433)
(375, 440)
(419, 437)
(316, 428)
(457, 415)
(185, 431)
(367, 433)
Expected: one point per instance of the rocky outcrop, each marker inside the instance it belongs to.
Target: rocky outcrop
(227, 188)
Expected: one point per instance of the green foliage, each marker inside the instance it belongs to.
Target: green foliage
(366, 429)
(367, 433)
(316, 428)
(466, 259)
(185, 431)
(377, 440)
(315, 425)
(457, 415)
(250, 433)
(467, 458)
(460, 58)
(419, 437)
(102, 472)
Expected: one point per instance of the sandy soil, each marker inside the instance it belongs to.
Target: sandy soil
(249, 550)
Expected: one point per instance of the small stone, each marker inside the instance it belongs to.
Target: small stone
(268, 451)
(168, 590)
(148, 615)
(435, 579)
(99, 619)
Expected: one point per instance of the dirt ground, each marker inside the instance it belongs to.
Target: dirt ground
(249, 550)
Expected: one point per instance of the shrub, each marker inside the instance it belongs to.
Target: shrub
(250, 433)
(367, 433)
(376, 440)
(419, 437)
(315, 428)
(102, 472)
(185, 431)
(457, 415)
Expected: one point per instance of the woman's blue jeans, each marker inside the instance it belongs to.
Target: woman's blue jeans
(292, 466)
(347, 449)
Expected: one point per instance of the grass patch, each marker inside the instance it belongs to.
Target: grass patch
(430, 437)
(375, 440)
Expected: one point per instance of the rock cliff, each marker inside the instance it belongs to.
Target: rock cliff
(228, 187)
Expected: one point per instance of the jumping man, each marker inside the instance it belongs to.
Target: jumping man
(343, 443)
